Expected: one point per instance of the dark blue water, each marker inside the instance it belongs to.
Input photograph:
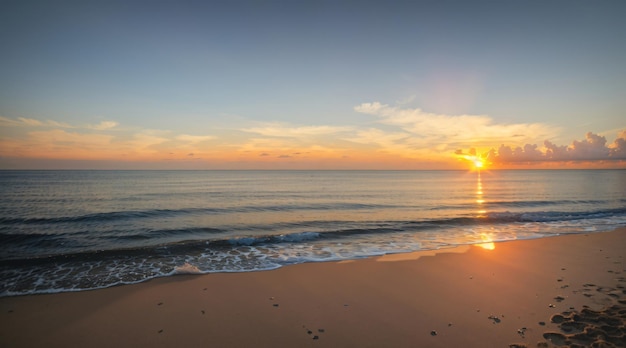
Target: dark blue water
(76, 230)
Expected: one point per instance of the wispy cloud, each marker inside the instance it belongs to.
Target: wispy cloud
(56, 143)
(194, 138)
(418, 135)
(398, 137)
(104, 125)
(281, 130)
(438, 128)
(31, 122)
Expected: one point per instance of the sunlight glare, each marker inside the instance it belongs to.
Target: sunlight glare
(476, 161)
(489, 244)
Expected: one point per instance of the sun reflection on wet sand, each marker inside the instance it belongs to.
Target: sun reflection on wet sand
(488, 245)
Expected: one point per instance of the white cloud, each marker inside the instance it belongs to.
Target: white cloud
(9, 122)
(278, 130)
(439, 128)
(104, 125)
(30, 121)
(593, 148)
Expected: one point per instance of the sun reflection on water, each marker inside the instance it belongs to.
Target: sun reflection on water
(479, 197)
(482, 213)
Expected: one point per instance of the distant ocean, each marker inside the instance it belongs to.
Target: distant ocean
(79, 230)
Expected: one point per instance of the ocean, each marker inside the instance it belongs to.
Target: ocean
(81, 230)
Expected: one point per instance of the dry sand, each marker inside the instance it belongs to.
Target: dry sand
(544, 292)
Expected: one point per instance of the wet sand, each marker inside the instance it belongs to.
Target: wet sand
(567, 290)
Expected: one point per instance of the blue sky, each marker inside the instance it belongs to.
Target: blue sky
(136, 81)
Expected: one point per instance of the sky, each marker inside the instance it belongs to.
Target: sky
(312, 84)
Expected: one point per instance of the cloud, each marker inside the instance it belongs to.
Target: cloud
(31, 122)
(593, 148)
(434, 128)
(194, 138)
(55, 143)
(104, 125)
(8, 122)
(278, 130)
(419, 135)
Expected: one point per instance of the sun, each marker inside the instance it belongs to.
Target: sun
(478, 163)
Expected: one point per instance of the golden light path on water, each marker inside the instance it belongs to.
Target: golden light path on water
(482, 212)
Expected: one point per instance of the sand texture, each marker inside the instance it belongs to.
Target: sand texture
(561, 291)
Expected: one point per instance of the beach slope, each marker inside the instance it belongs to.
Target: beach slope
(543, 292)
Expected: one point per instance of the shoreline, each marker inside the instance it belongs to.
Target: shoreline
(464, 296)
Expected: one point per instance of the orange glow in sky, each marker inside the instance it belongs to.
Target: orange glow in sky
(477, 162)
(299, 91)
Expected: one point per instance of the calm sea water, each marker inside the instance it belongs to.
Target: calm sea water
(78, 230)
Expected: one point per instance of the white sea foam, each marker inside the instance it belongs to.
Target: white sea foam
(281, 222)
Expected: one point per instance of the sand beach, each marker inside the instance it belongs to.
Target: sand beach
(557, 291)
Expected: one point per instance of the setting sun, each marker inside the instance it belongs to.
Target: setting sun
(478, 163)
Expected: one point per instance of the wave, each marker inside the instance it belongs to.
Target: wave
(152, 213)
(187, 240)
(550, 216)
(526, 204)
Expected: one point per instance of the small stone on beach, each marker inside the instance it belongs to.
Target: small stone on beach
(495, 319)
(433, 333)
